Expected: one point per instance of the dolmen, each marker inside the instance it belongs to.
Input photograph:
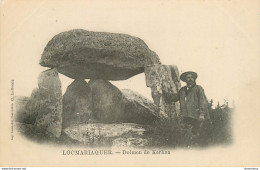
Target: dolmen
(98, 57)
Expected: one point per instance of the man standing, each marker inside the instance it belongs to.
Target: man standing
(193, 102)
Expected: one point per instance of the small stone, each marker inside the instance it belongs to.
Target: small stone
(20, 112)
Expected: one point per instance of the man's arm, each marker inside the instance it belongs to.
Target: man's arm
(176, 97)
(172, 97)
(203, 103)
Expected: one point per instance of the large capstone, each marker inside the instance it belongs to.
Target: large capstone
(163, 81)
(81, 54)
(108, 103)
(77, 104)
(139, 109)
(45, 105)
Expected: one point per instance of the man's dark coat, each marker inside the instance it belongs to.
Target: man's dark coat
(193, 102)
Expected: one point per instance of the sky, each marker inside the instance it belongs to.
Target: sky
(213, 38)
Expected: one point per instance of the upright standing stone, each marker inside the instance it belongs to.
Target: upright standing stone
(45, 105)
(176, 79)
(108, 103)
(77, 103)
(162, 80)
(175, 75)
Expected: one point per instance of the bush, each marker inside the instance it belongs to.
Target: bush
(221, 117)
(171, 133)
(174, 133)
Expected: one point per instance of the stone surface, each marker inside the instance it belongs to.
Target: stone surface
(139, 109)
(175, 75)
(77, 103)
(108, 101)
(19, 108)
(45, 105)
(111, 105)
(81, 54)
(163, 80)
(130, 142)
(176, 79)
(23, 128)
(99, 134)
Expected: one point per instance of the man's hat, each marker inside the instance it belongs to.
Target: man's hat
(183, 75)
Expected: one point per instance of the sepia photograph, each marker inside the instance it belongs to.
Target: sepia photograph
(129, 83)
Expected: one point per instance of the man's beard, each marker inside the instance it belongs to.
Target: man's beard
(190, 83)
